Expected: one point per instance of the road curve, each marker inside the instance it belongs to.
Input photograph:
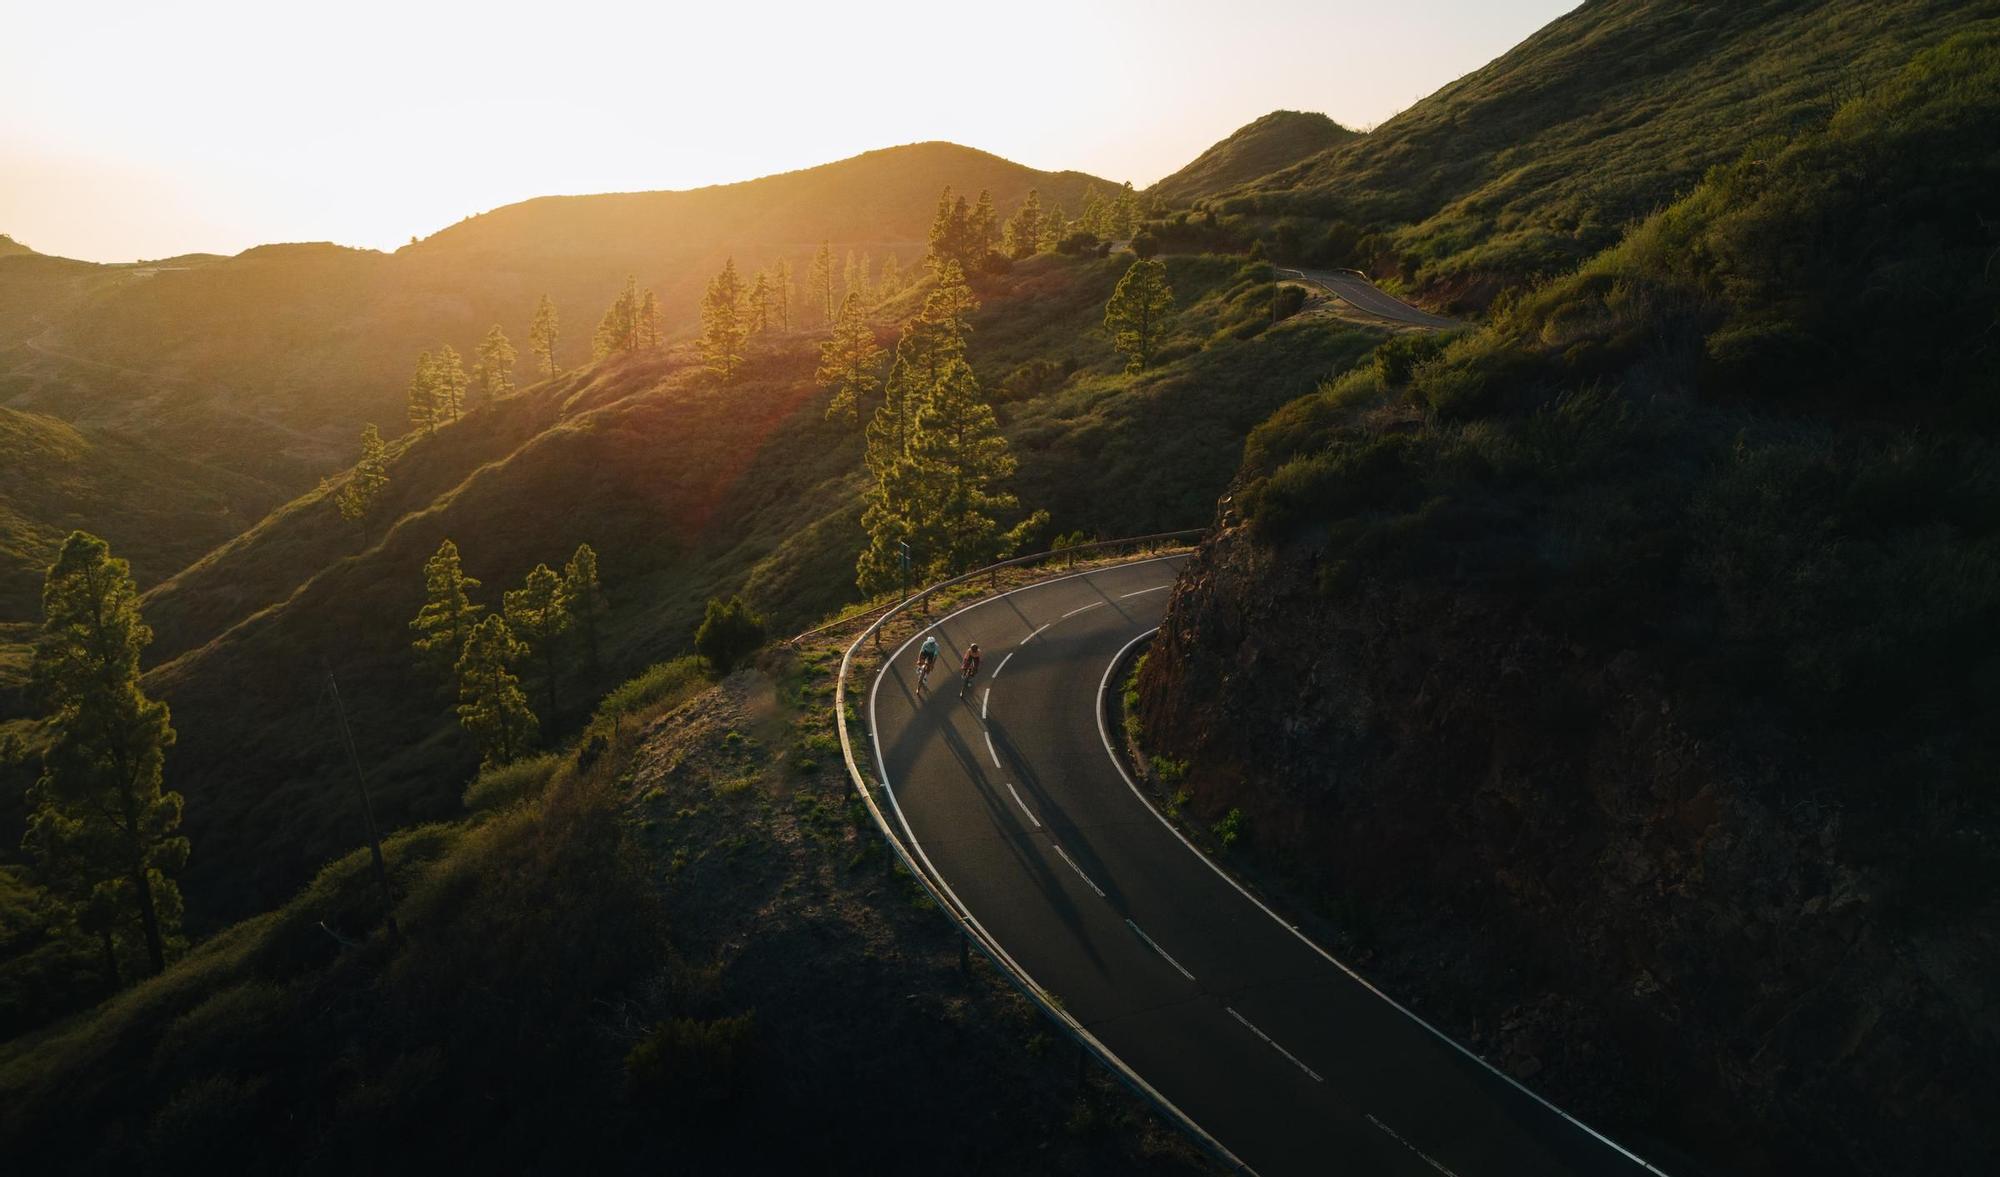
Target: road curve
(1011, 799)
(1358, 292)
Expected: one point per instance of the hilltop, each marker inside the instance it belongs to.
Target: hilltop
(264, 366)
(12, 248)
(1278, 140)
(1540, 159)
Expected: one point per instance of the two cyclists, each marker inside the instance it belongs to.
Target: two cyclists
(927, 656)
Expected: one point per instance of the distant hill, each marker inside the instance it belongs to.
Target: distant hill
(266, 364)
(1278, 140)
(1541, 158)
(10, 247)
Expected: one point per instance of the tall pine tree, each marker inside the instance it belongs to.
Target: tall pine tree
(448, 612)
(757, 306)
(356, 498)
(819, 283)
(423, 394)
(1140, 311)
(491, 707)
(448, 384)
(542, 335)
(538, 614)
(1024, 231)
(586, 601)
(493, 374)
(98, 816)
(850, 362)
(722, 328)
(958, 456)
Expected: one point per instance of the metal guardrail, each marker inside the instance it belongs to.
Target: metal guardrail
(991, 571)
(975, 936)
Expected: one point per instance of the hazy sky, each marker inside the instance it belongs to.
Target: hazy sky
(133, 130)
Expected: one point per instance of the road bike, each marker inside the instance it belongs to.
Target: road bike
(923, 676)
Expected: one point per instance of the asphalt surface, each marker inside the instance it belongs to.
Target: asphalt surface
(1012, 799)
(1362, 295)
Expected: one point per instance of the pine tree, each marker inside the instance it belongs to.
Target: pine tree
(849, 362)
(1123, 213)
(892, 277)
(958, 456)
(1024, 231)
(862, 285)
(98, 816)
(619, 329)
(586, 601)
(423, 394)
(982, 228)
(538, 615)
(819, 283)
(365, 483)
(847, 276)
(491, 707)
(953, 236)
(493, 375)
(1055, 226)
(722, 329)
(543, 334)
(448, 613)
(1140, 311)
(1095, 215)
(757, 306)
(448, 384)
(781, 293)
(931, 342)
(647, 332)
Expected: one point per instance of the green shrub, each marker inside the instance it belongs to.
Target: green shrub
(507, 784)
(1229, 830)
(693, 1064)
(659, 683)
(1288, 302)
(729, 633)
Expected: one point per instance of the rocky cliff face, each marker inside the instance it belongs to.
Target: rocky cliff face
(1651, 917)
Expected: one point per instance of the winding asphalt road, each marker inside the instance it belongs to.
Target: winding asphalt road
(1358, 292)
(1013, 802)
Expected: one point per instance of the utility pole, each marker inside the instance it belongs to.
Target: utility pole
(367, 810)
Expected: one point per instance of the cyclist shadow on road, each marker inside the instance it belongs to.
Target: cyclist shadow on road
(1011, 829)
(1056, 820)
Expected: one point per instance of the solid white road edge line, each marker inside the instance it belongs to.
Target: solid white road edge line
(1024, 805)
(1104, 733)
(987, 939)
(1273, 1045)
(1079, 870)
(1155, 946)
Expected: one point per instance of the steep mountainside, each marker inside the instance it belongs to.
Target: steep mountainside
(1540, 159)
(1278, 140)
(264, 366)
(1619, 676)
(686, 490)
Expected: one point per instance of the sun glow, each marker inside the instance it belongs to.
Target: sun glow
(145, 130)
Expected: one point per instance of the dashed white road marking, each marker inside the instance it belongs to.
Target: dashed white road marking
(1074, 612)
(1038, 629)
(989, 749)
(1079, 870)
(1024, 805)
(1142, 592)
(1003, 664)
(1155, 946)
(1428, 1159)
(1292, 1058)
(983, 701)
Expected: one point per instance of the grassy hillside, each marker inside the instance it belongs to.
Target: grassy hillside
(573, 988)
(1278, 140)
(160, 510)
(686, 490)
(1669, 603)
(12, 248)
(1540, 159)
